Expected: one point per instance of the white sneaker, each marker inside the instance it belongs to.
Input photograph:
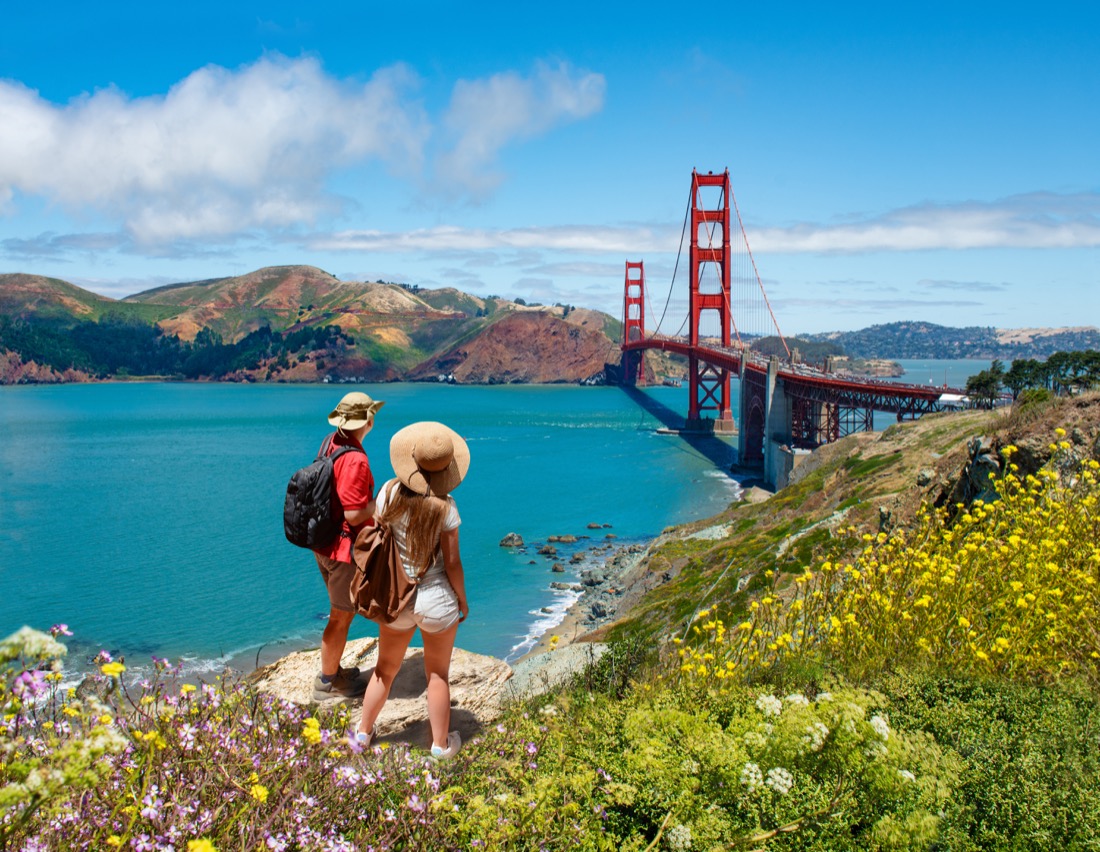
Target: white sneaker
(454, 743)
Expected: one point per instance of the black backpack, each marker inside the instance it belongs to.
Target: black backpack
(312, 514)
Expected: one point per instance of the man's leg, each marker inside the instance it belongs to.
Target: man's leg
(334, 639)
(332, 682)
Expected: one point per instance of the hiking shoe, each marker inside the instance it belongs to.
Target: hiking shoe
(350, 672)
(454, 743)
(339, 687)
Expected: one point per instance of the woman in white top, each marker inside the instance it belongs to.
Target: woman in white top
(430, 460)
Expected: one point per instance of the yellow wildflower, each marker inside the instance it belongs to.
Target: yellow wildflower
(112, 669)
(259, 792)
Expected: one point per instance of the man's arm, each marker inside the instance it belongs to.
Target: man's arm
(358, 517)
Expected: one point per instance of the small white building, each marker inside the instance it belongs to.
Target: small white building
(954, 400)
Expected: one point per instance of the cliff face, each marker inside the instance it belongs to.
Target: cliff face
(525, 346)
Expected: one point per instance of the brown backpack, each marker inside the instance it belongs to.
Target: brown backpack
(381, 589)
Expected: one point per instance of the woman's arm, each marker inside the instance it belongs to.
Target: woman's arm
(452, 564)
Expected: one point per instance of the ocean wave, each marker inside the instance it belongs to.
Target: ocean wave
(543, 622)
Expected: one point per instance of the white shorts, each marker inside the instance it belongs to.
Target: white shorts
(434, 609)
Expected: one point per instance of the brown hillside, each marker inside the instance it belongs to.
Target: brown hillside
(525, 346)
(23, 295)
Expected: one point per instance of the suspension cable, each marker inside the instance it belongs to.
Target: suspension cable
(756, 272)
(675, 268)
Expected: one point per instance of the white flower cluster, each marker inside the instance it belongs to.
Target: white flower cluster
(875, 750)
(769, 705)
(752, 777)
(815, 736)
(823, 697)
(881, 727)
(679, 837)
(906, 775)
(780, 780)
(29, 644)
(754, 739)
(689, 767)
(797, 698)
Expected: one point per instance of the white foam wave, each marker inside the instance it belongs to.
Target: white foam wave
(544, 621)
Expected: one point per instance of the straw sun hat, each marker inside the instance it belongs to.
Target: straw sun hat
(353, 411)
(428, 456)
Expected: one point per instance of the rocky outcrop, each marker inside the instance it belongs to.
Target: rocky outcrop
(15, 371)
(477, 688)
(523, 347)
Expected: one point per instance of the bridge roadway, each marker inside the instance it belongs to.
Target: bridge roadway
(810, 383)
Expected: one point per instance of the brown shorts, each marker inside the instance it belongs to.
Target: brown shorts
(338, 577)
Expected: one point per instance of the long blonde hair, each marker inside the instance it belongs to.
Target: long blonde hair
(425, 514)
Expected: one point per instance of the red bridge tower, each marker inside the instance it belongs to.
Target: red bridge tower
(634, 322)
(709, 388)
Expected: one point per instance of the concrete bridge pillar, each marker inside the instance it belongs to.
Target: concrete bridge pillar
(777, 424)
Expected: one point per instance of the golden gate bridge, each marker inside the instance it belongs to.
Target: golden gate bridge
(785, 405)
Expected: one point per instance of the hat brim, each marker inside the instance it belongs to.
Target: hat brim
(342, 421)
(439, 482)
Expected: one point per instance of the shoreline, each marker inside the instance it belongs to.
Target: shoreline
(613, 585)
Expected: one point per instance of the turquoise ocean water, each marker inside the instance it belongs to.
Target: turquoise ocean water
(148, 516)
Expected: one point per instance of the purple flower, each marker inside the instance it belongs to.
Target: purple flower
(29, 683)
(532, 748)
(60, 630)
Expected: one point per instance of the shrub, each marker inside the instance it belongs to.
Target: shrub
(1032, 768)
(1009, 588)
(684, 768)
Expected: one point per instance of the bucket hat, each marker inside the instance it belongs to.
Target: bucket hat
(429, 457)
(353, 411)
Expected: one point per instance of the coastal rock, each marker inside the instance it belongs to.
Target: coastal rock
(595, 526)
(512, 540)
(566, 587)
(538, 674)
(477, 685)
(576, 558)
(562, 539)
(558, 568)
(925, 477)
(548, 550)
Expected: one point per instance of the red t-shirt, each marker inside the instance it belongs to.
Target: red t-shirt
(354, 487)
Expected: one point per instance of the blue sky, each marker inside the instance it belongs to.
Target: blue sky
(891, 161)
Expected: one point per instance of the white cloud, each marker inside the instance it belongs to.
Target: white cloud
(486, 115)
(449, 238)
(1038, 220)
(222, 152)
(227, 151)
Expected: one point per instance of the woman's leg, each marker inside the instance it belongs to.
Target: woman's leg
(437, 669)
(391, 653)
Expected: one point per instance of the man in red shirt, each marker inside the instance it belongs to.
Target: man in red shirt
(353, 419)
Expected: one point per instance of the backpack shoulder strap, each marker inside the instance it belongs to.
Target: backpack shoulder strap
(326, 449)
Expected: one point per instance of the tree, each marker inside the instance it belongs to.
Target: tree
(1025, 373)
(986, 385)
